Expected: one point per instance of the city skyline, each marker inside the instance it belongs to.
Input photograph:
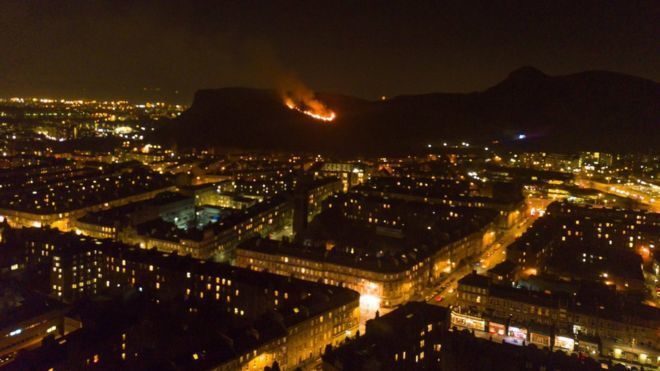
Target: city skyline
(156, 51)
(329, 186)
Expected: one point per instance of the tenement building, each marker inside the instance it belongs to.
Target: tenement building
(267, 318)
(217, 239)
(59, 200)
(608, 245)
(408, 338)
(27, 317)
(169, 206)
(387, 250)
(504, 198)
(416, 336)
(590, 319)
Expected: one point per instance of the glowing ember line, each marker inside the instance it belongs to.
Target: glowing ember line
(326, 116)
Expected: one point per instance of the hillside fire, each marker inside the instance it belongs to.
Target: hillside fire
(297, 96)
(312, 108)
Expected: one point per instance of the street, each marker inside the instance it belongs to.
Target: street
(444, 293)
(648, 195)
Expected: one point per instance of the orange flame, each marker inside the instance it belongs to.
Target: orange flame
(297, 96)
(315, 109)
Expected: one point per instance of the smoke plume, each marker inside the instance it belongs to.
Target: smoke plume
(296, 95)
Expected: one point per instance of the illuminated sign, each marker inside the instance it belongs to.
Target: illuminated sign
(540, 339)
(466, 321)
(496, 328)
(518, 333)
(564, 342)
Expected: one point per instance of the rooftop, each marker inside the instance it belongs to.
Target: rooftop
(76, 192)
(378, 234)
(117, 215)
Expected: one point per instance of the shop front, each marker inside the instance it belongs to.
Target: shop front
(587, 345)
(495, 328)
(516, 335)
(564, 343)
(468, 322)
(539, 339)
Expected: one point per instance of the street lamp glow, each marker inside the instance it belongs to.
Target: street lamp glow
(369, 302)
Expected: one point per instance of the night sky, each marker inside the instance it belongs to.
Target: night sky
(168, 49)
